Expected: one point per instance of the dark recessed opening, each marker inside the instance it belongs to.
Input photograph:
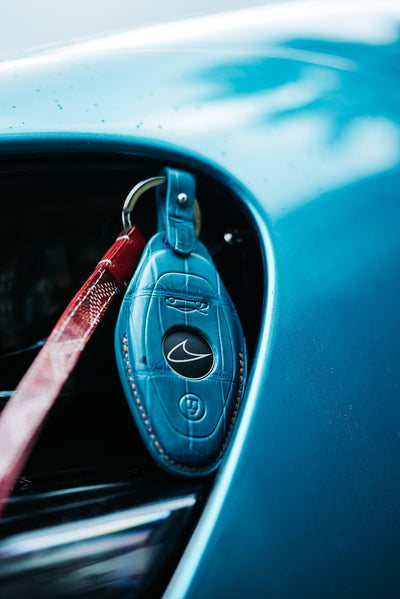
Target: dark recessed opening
(60, 213)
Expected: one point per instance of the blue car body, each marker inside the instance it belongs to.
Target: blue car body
(296, 107)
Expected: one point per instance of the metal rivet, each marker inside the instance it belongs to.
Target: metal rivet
(182, 198)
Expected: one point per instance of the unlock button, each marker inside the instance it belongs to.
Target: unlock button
(192, 406)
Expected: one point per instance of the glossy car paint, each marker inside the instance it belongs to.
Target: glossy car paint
(297, 107)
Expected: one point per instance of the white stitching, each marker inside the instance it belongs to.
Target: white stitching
(66, 321)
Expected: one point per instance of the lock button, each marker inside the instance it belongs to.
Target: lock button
(192, 406)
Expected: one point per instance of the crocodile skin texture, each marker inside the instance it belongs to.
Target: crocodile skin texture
(176, 219)
(181, 356)
(180, 349)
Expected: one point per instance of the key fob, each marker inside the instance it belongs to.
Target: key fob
(179, 344)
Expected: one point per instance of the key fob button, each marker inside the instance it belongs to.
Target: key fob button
(192, 406)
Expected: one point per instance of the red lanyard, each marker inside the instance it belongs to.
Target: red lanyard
(24, 414)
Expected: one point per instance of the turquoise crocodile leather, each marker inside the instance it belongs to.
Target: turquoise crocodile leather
(179, 344)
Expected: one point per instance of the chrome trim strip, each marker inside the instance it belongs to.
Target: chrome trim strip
(93, 529)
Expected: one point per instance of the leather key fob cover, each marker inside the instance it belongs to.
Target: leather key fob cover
(180, 348)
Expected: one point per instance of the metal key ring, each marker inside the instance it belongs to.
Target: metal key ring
(136, 193)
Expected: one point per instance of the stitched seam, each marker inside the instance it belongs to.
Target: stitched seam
(103, 308)
(149, 429)
(83, 298)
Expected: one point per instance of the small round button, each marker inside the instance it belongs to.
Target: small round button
(192, 406)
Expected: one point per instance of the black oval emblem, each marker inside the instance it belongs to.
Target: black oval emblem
(188, 353)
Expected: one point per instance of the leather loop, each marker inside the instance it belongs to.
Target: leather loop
(175, 204)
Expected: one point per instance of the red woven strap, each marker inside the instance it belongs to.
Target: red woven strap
(25, 412)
